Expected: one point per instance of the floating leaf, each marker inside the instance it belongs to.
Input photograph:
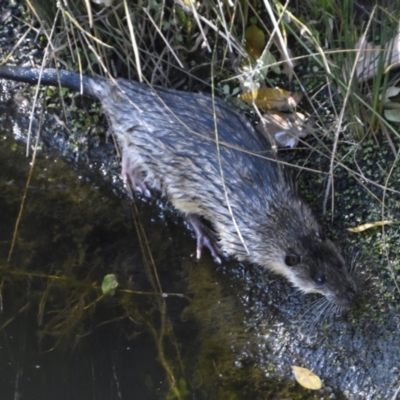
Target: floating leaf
(255, 41)
(369, 225)
(273, 99)
(109, 284)
(306, 378)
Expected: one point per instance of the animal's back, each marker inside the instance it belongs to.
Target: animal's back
(171, 137)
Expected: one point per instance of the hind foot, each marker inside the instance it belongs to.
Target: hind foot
(206, 237)
(133, 174)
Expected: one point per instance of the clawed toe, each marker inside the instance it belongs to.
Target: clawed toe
(205, 238)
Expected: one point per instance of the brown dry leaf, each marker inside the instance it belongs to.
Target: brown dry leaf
(272, 99)
(369, 225)
(371, 55)
(255, 41)
(283, 129)
(306, 378)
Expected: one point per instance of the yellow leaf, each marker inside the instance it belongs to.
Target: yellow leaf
(273, 99)
(306, 378)
(369, 225)
(255, 41)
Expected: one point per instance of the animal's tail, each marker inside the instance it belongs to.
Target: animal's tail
(52, 77)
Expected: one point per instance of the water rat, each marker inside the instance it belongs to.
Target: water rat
(212, 165)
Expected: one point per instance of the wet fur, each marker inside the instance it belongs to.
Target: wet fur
(168, 142)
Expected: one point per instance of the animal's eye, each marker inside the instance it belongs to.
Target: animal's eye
(320, 279)
(292, 259)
